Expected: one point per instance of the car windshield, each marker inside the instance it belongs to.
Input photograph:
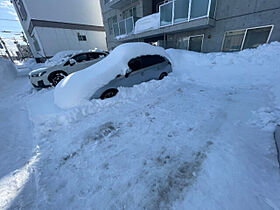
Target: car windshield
(59, 58)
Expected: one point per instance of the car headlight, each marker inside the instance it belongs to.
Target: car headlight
(38, 74)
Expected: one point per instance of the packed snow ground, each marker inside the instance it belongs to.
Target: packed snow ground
(202, 138)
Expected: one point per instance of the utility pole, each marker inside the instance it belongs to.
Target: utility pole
(6, 49)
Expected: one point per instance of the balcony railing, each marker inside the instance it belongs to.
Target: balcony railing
(178, 11)
(124, 27)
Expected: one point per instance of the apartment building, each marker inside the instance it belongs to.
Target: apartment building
(197, 25)
(52, 26)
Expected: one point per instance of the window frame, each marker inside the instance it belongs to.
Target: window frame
(245, 34)
(193, 36)
(81, 37)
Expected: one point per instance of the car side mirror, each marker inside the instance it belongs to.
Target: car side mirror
(128, 72)
(72, 62)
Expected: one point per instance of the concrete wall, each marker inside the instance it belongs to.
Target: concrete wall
(53, 40)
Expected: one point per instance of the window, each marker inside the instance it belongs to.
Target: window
(122, 27)
(111, 22)
(93, 56)
(166, 14)
(256, 37)
(213, 8)
(21, 9)
(96, 55)
(129, 22)
(131, 12)
(199, 8)
(116, 29)
(82, 37)
(181, 12)
(145, 61)
(182, 43)
(81, 58)
(233, 41)
(247, 38)
(178, 11)
(195, 43)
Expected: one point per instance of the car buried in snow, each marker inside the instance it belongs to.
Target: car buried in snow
(127, 65)
(70, 62)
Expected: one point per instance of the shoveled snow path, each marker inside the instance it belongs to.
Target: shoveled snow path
(160, 145)
(17, 186)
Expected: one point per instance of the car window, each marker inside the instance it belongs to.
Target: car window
(81, 57)
(93, 56)
(135, 64)
(96, 55)
(145, 61)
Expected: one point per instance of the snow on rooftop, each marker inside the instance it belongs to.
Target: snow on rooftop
(78, 87)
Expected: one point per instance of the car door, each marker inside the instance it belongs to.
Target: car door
(154, 66)
(134, 75)
(143, 69)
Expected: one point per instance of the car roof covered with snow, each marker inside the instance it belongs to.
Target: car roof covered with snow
(78, 87)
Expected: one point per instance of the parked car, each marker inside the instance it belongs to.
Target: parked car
(51, 75)
(141, 69)
(127, 65)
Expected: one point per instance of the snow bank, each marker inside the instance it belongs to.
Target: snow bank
(7, 72)
(29, 65)
(245, 68)
(147, 23)
(78, 87)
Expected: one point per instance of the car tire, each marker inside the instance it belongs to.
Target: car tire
(164, 74)
(56, 77)
(109, 94)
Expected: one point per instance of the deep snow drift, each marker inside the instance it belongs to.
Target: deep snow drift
(77, 88)
(7, 72)
(202, 138)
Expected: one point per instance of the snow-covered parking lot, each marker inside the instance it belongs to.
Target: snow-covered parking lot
(202, 138)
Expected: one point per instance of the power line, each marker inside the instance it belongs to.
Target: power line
(5, 19)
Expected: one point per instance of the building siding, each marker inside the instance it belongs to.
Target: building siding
(230, 15)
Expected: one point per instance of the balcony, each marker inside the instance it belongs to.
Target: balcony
(124, 27)
(179, 11)
(173, 16)
(119, 4)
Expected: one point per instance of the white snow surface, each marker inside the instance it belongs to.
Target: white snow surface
(7, 72)
(202, 138)
(77, 88)
(147, 23)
